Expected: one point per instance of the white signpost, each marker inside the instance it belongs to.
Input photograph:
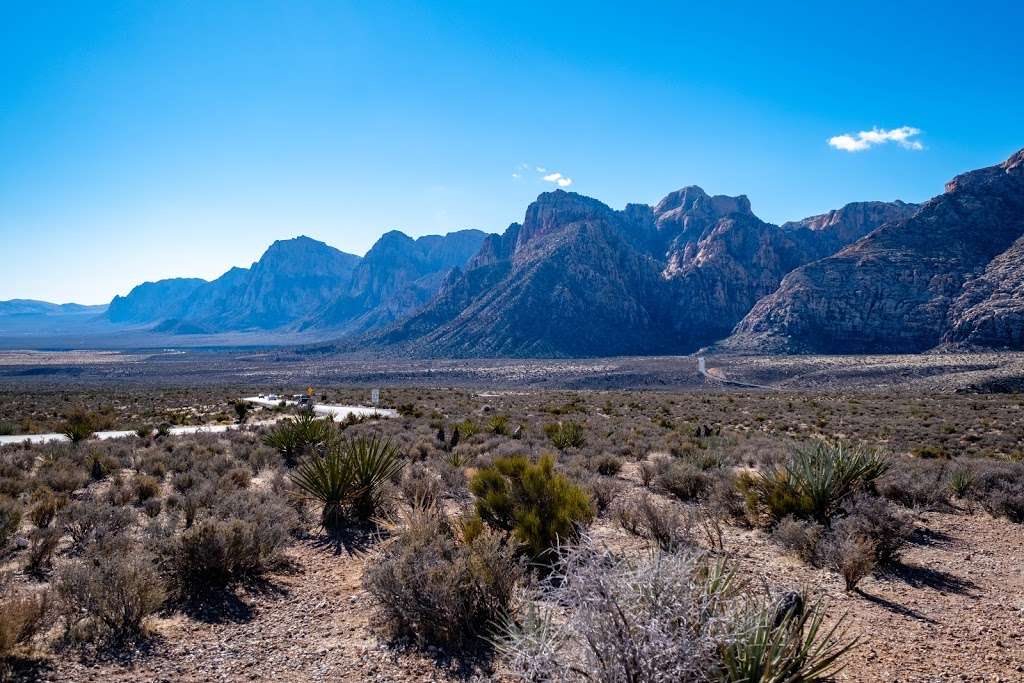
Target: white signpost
(375, 396)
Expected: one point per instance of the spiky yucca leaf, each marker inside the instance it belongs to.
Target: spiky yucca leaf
(795, 650)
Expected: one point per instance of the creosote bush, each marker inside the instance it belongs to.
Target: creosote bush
(239, 537)
(22, 615)
(10, 520)
(539, 506)
(106, 596)
(437, 587)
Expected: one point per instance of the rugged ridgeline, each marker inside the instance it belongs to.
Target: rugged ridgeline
(303, 284)
(578, 278)
(952, 273)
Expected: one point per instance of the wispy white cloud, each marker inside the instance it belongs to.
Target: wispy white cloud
(525, 171)
(865, 139)
(558, 178)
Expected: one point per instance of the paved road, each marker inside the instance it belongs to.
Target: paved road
(117, 434)
(338, 413)
(716, 375)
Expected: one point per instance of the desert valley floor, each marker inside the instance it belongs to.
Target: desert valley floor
(947, 604)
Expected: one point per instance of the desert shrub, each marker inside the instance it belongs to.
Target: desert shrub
(42, 544)
(1005, 499)
(567, 434)
(662, 523)
(800, 537)
(421, 486)
(63, 476)
(44, 507)
(438, 589)
(108, 596)
(539, 506)
(7, 428)
(667, 617)
(603, 490)
(305, 435)
(681, 479)
(999, 487)
(930, 452)
(152, 507)
(349, 479)
(234, 479)
(10, 520)
(874, 518)
(725, 499)
(815, 481)
(850, 553)
(145, 487)
(916, 484)
(91, 522)
(22, 615)
(606, 464)
(241, 536)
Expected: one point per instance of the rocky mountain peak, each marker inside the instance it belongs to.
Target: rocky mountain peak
(552, 211)
(687, 214)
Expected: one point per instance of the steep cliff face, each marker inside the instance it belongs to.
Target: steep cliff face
(990, 310)
(827, 233)
(911, 284)
(577, 278)
(398, 275)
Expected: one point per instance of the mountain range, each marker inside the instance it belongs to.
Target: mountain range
(577, 278)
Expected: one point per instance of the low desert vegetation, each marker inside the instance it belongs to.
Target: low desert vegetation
(588, 533)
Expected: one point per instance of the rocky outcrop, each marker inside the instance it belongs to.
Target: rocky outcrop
(152, 301)
(911, 284)
(990, 310)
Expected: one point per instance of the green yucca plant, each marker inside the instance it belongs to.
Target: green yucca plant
(374, 463)
(784, 648)
(961, 482)
(566, 434)
(78, 429)
(303, 435)
(498, 425)
(348, 478)
(816, 480)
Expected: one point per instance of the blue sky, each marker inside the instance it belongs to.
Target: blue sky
(141, 140)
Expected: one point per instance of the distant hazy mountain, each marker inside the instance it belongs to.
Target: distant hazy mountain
(152, 300)
(950, 273)
(397, 275)
(25, 317)
(303, 284)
